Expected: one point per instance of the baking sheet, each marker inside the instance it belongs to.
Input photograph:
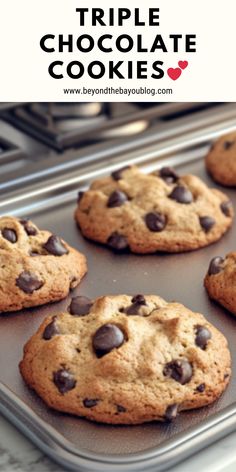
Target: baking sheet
(174, 277)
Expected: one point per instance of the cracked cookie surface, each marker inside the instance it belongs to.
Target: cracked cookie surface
(126, 360)
(220, 281)
(221, 160)
(36, 267)
(154, 212)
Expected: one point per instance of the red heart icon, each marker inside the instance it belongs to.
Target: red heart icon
(183, 64)
(174, 74)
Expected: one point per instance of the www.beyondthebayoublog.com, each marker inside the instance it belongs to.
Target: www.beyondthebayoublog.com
(118, 91)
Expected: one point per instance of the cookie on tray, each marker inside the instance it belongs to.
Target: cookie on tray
(123, 359)
(220, 281)
(221, 160)
(36, 267)
(155, 212)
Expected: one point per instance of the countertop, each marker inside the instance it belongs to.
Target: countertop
(17, 454)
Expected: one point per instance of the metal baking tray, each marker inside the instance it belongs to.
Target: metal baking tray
(76, 443)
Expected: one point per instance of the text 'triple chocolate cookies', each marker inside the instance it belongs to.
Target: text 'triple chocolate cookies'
(221, 160)
(36, 267)
(154, 212)
(220, 281)
(126, 360)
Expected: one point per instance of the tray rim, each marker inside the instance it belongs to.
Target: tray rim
(56, 446)
(173, 451)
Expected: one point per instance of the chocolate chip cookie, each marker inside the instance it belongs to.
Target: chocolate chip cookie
(126, 359)
(221, 160)
(155, 212)
(220, 281)
(36, 267)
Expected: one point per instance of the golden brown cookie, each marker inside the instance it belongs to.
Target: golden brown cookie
(36, 267)
(220, 281)
(154, 212)
(221, 160)
(123, 359)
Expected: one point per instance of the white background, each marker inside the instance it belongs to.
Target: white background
(210, 75)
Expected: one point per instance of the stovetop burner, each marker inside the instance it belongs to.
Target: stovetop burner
(72, 110)
(52, 119)
(68, 125)
(43, 140)
(62, 116)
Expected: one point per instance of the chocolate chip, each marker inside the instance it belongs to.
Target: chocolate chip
(155, 221)
(64, 380)
(121, 409)
(137, 301)
(131, 310)
(117, 175)
(181, 195)
(29, 229)
(180, 370)
(226, 376)
(50, 330)
(202, 336)
(34, 254)
(90, 402)
(107, 338)
(215, 265)
(226, 208)
(118, 242)
(171, 412)
(116, 199)
(28, 282)
(80, 306)
(169, 175)
(201, 388)
(10, 235)
(80, 195)
(206, 222)
(228, 144)
(55, 246)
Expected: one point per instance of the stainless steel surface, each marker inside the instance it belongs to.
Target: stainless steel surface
(42, 120)
(180, 138)
(75, 442)
(163, 122)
